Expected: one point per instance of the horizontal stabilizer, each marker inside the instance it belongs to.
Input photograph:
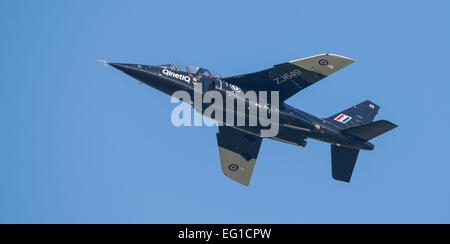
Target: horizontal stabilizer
(371, 130)
(343, 162)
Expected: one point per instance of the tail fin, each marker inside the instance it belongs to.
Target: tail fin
(343, 162)
(357, 122)
(369, 131)
(357, 115)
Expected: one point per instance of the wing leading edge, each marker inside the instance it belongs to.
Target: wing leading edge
(291, 77)
(238, 152)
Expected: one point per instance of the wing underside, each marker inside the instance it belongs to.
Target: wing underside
(291, 77)
(238, 152)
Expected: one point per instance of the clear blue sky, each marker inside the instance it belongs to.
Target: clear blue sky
(81, 143)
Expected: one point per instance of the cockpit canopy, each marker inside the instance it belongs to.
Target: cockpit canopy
(188, 68)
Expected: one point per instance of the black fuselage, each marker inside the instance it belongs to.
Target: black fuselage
(294, 125)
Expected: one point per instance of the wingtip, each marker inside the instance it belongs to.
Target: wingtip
(342, 57)
(325, 64)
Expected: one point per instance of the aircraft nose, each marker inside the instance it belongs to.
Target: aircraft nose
(126, 67)
(137, 71)
(146, 75)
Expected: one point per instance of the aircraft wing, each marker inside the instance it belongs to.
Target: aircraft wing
(291, 77)
(238, 152)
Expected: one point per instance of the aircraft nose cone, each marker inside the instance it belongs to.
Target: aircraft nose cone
(147, 75)
(124, 67)
(137, 71)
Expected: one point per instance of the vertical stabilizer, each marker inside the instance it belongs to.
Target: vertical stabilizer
(360, 114)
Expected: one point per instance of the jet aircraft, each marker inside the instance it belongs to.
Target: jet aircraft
(348, 131)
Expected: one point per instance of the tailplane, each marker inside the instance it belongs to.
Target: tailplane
(369, 131)
(343, 162)
(355, 122)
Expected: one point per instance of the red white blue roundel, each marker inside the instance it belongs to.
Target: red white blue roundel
(343, 118)
(233, 167)
(235, 88)
(323, 62)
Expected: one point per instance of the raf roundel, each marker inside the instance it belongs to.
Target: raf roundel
(233, 167)
(323, 62)
(235, 88)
